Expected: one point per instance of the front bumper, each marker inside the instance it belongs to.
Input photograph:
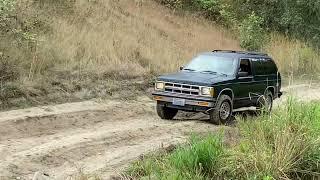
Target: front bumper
(192, 103)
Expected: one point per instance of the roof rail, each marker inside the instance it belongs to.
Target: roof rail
(241, 52)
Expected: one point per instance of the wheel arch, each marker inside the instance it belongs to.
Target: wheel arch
(228, 92)
(272, 89)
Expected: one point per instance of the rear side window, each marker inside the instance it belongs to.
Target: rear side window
(264, 66)
(270, 66)
(258, 67)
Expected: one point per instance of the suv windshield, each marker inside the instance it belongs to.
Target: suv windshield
(212, 64)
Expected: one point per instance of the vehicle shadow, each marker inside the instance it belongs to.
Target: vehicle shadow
(192, 116)
(204, 118)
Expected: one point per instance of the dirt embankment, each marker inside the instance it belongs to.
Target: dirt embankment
(79, 50)
(96, 137)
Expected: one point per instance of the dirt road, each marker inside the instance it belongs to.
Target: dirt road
(96, 137)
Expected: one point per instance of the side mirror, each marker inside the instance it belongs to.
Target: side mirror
(243, 74)
(181, 68)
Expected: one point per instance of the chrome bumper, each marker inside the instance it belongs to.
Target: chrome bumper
(189, 100)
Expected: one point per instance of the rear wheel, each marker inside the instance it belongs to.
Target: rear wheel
(165, 112)
(223, 111)
(265, 102)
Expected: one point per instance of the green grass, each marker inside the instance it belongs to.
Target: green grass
(283, 145)
(200, 156)
(286, 144)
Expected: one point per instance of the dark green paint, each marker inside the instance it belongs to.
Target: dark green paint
(245, 90)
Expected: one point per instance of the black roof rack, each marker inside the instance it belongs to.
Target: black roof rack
(242, 52)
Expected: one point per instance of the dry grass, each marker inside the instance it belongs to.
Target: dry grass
(294, 58)
(121, 38)
(83, 176)
(88, 44)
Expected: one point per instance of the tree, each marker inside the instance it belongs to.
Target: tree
(252, 35)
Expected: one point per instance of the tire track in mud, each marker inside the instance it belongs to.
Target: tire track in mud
(63, 117)
(99, 138)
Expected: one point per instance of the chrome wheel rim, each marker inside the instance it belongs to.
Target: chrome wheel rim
(265, 103)
(268, 103)
(225, 110)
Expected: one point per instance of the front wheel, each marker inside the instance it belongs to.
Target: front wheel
(165, 112)
(223, 111)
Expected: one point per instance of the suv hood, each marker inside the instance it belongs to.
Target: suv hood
(195, 78)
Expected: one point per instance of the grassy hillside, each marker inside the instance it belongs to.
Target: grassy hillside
(55, 51)
(286, 30)
(69, 50)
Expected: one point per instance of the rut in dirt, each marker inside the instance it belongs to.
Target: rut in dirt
(97, 137)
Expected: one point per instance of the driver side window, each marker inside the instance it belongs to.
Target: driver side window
(245, 67)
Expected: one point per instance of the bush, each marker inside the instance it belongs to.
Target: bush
(252, 35)
(8, 68)
(210, 8)
(296, 18)
(174, 4)
(6, 7)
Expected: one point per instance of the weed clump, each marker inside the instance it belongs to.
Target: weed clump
(279, 146)
(284, 145)
(199, 157)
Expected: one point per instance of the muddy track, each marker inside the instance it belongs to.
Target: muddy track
(96, 137)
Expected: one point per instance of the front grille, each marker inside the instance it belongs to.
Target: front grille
(182, 88)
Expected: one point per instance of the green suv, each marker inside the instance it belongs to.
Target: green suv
(219, 83)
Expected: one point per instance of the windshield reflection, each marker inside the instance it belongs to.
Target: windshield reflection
(212, 64)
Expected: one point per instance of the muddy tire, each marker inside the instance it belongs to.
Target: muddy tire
(165, 112)
(265, 103)
(223, 111)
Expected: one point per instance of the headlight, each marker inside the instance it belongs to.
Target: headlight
(207, 91)
(159, 86)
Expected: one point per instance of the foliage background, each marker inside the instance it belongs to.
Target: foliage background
(68, 50)
(295, 18)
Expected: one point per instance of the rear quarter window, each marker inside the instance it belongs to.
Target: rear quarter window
(264, 66)
(258, 67)
(270, 66)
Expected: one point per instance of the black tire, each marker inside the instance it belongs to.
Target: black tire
(165, 112)
(218, 116)
(265, 103)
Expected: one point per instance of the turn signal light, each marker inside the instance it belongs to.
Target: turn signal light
(206, 104)
(157, 98)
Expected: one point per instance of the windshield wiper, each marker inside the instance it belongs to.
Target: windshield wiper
(211, 72)
(223, 74)
(189, 69)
